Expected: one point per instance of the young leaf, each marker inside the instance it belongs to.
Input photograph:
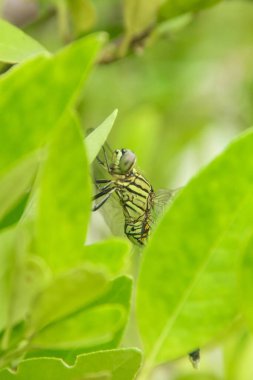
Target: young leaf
(54, 83)
(64, 200)
(187, 285)
(15, 45)
(84, 329)
(114, 365)
(20, 279)
(118, 295)
(96, 139)
(79, 286)
(109, 255)
(7, 263)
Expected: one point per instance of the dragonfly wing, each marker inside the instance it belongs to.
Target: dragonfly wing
(113, 215)
(163, 198)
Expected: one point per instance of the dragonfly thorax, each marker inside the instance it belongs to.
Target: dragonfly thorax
(123, 161)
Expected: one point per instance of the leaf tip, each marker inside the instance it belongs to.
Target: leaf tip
(114, 114)
(194, 358)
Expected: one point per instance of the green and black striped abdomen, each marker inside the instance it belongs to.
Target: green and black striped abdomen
(136, 195)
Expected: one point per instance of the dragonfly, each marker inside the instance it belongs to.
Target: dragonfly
(138, 201)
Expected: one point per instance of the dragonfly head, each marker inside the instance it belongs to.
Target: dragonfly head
(123, 161)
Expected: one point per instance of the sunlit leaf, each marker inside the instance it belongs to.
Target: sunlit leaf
(54, 83)
(15, 45)
(7, 261)
(109, 255)
(20, 278)
(15, 213)
(84, 329)
(238, 350)
(187, 286)
(79, 287)
(16, 183)
(65, 199)
(118, 295)
(96, 139)
(245, 283)
(114, 365)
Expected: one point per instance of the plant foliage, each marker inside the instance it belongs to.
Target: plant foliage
(74, 310)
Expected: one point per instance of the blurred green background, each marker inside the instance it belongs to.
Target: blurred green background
(184, 98)
(181, 99)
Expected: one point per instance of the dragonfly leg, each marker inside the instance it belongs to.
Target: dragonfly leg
(101, 163)
(100, 204)
(107, 183)
(104, 191)
(107, 192)
(106, 159)
(102, 181)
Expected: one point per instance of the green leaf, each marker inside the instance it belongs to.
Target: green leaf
(15, 45)
(20, 278)
(7, 262)
(245, 283)
(188, 279)
(29, 280)
(118, 295)
(139, 15)
(54, 83)
(114, 365)
(96, 139)
(109, 255)
(84, 329)
(64, 200)
(237, 353)
(15, 213)
(79, 287)
(171, 9)
(16, 183)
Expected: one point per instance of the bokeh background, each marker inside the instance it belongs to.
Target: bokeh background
(181, 99)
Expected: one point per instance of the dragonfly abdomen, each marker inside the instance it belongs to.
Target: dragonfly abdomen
(135, 195)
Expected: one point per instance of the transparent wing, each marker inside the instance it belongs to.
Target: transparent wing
(163, 198)
(113, 215)
(111, 210)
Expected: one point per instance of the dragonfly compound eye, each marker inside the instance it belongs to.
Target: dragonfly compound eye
(127, 161)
